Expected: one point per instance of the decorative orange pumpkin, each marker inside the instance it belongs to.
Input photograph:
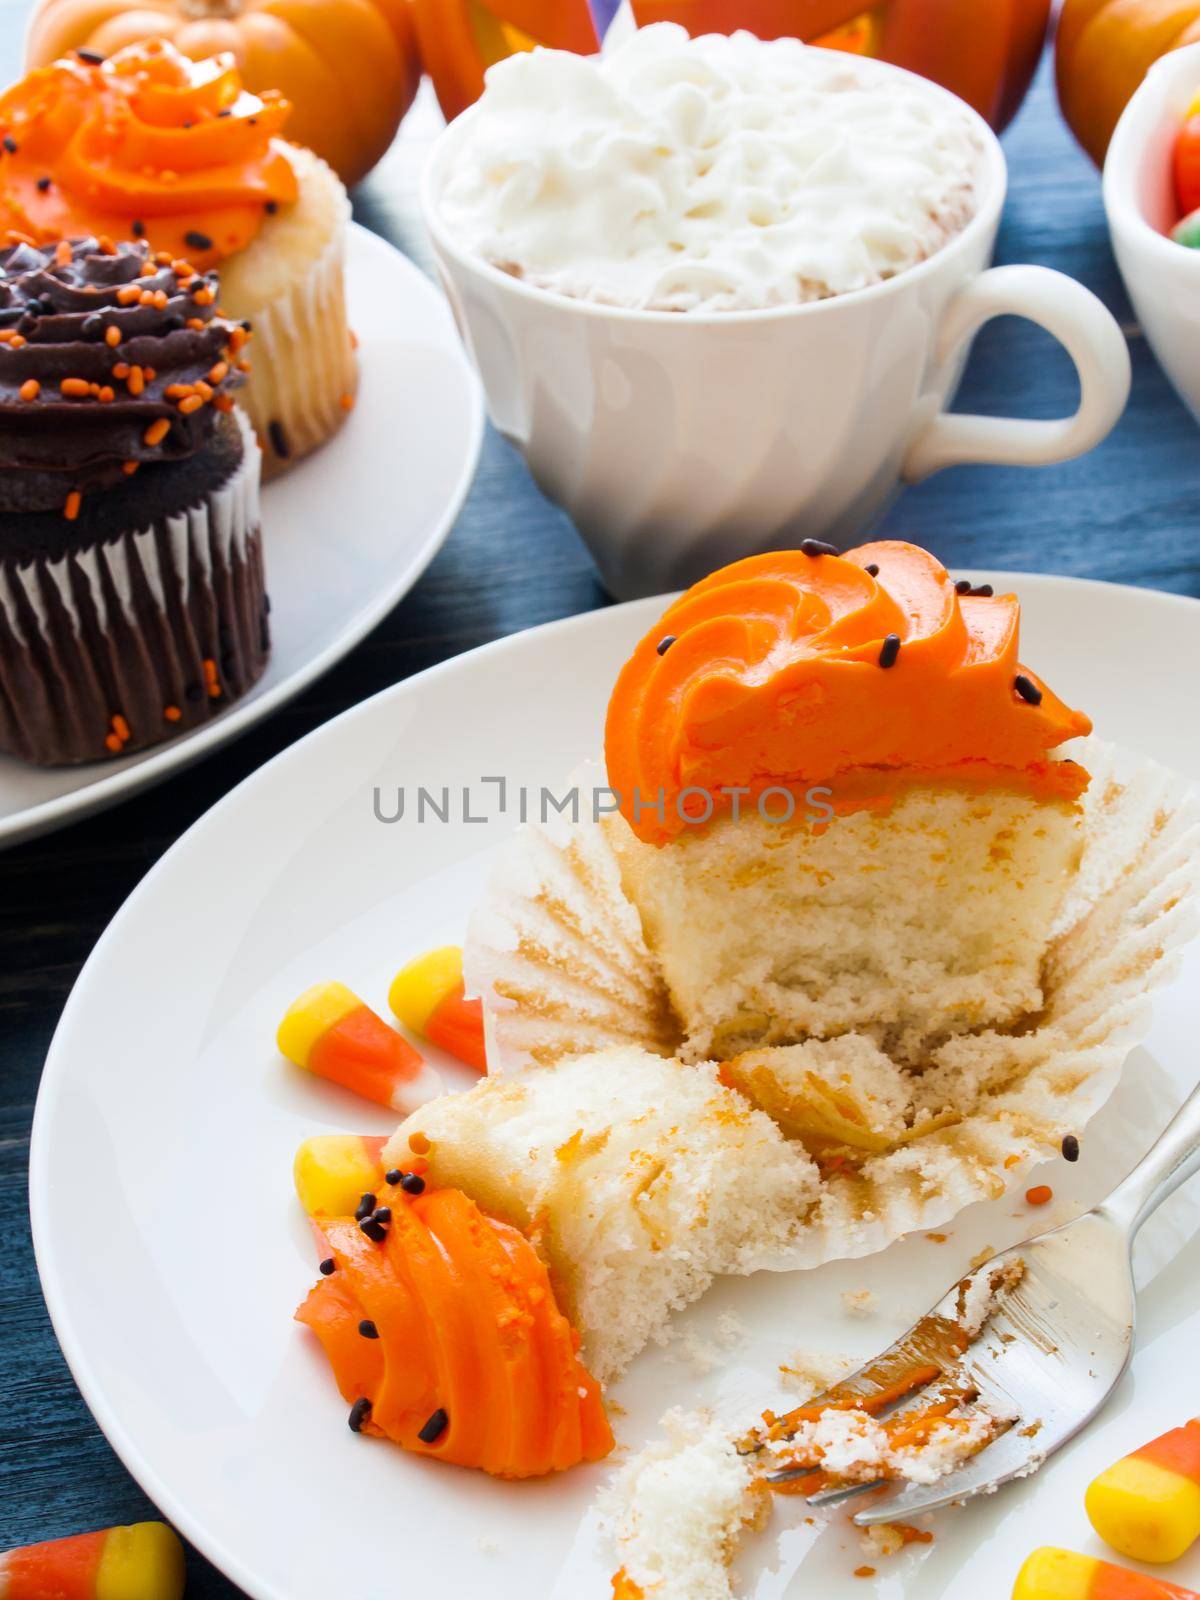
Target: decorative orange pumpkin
(1104, 50)
(985, 50)
(349, 67)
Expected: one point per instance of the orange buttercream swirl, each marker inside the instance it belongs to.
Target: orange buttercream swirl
(147, 144)
(793, 670)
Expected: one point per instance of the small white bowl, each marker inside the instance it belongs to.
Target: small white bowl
(1162, 277)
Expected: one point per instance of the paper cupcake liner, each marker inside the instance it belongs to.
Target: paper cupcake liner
(302, 363)
(555, 950)
(119, 645)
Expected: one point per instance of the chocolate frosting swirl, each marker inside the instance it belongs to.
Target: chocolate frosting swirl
(78, 405)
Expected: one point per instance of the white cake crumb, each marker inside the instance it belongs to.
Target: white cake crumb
(860, 1302)
(854, 1447)
(676, 1511)
(488, 1546)
(811, 1372)
(704, 1355)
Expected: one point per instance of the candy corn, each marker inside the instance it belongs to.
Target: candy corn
(331, 1032)
(1051, 1574)
(1147, 1506)
(333, 1171)
(142, 1562)
(427, 996)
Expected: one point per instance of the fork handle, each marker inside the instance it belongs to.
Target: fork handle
(1170, 1161)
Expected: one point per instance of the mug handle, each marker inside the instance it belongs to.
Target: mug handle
(1087, 331)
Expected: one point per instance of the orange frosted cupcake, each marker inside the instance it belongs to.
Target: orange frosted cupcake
(150, 145)
(843, 807)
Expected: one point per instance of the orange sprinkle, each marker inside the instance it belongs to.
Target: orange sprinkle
(112, 335)
(30, 389)
(62, 253)
(177, 391)
(75, 388)
(192, 403)
(120, 727)
(219, 372)
(243, 366)
(94, 390)
(106, 395)
(864, 1572)
(146, 297)
(912, 1535)
(71, 509)
(1039, 1194)
(15, 340)
(111, 742)
(128, 295)
(204, 297)
(347, 402)
(157, 431)
(197, 324)
(419, 1144)
(183, 269)
(149, 374)
(214, 691)
(1012, 1161)
(121, 369)
(223, 402)
(163, 257)
(136, 381)
(204, 390)
(210, 669)
(148, 267)
(237, 338)
(107, 247)
(172, 713)
(130, 467)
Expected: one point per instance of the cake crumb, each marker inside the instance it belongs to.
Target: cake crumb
(937, 1238)
(889, 1538)
(860, 1302)
(811, 1372)
(980, 1256)
(488, 1546)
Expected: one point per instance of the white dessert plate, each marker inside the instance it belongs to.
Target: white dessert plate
(347, 532)
(172, 1251)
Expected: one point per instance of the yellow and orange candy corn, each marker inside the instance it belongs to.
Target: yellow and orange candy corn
(1051, 1574)
(142, 1562)
(333, 1171)
(333, 1033)
(427, 996)
(1147, 1506)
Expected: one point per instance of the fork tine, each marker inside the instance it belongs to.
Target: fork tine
(1006, 1457)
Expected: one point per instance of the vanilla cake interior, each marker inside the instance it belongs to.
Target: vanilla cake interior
(906, 925)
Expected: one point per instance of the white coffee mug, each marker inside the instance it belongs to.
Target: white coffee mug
(678, 441)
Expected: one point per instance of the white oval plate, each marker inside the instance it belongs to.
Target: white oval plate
(171, 1248)
(347, 532)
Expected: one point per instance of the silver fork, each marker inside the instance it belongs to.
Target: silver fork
(1055, 1346)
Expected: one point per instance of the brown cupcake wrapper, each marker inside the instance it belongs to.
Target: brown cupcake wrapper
(303, 370)
(112, 648)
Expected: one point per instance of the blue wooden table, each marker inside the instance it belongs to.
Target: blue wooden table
(1128, 513)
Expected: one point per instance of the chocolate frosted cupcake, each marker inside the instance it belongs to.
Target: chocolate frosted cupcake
(132, 601)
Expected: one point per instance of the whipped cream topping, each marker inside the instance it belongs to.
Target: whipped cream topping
(718, 173)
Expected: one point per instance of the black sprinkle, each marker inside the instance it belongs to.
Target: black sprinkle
(93, 57)
(665, 643)
(43, 184)
(10, 144)
(984, 591)
(271, 207)
(226, 113)
(359, 1412)
(138, 229)
(963, 586)
(1070, 1148)
(393, 1177)
(34, 307)
(174, 322)
(365, 1207)
(818, 547)
(92, 325)
(189, 124)
(327, 1266)
(246, 324)
(1027, 689)
(434, 1428)
(279, 441)
(412, 1183)
(889, 652)
(193, 692)
(872, 569)
(383, 1215)
(252, 122)
(368, 1329)
(197, 240)
(373, 1229)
